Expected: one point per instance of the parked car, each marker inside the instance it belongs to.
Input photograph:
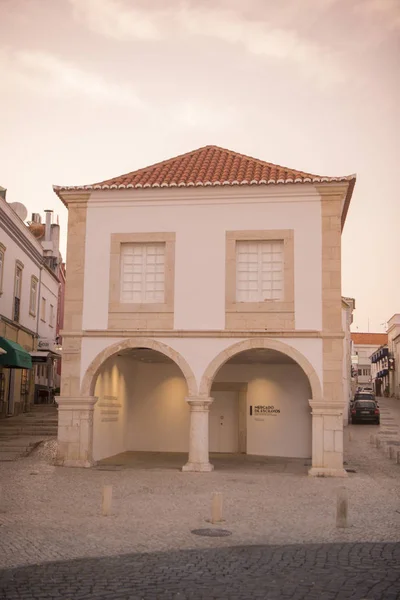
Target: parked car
(365, 410)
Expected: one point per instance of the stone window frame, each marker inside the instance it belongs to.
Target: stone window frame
(35, 280)
(268, 306)
(115, 304)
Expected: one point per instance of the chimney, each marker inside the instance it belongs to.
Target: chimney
(55, 238)
(3, 192)
(36, 218)
(47, 235)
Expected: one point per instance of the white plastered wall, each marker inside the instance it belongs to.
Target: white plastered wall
(111, 409)
(286, 433)
(199, 352)
(200, 219)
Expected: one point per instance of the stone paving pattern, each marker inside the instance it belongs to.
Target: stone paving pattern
(309, 572)
(50, 513)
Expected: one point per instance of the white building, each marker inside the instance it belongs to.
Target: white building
(364, 345)
(28, 308)
(203, 313)
(348, 306)
(393, 329)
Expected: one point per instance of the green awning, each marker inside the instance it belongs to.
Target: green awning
(15, 357)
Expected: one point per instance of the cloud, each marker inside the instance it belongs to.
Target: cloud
(48, 74)
(119, 20)
(113, 19)
(386, 10)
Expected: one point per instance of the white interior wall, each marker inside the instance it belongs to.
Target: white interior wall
(110, 411)
(286, 388)
(158, 416)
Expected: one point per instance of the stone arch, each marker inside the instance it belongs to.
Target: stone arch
(89, 379)
(218, 362)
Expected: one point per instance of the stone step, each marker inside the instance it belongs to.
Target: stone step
(9, 456)
(42, 432)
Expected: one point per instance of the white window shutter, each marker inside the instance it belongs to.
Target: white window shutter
(142, 273)
(259, 271)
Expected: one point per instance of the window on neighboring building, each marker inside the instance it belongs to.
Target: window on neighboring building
(33, 296)
(51, 317)
(142, 273)
(17, 290)
(360, 371)
(2, 256)
(259, 271)
(43, 310)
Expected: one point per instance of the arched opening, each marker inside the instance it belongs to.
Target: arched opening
(261, 400)
(141, 403)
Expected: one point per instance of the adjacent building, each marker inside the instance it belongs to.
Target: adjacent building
(364, 345)
(203, 313)
(29, 289)
(348, 306)
(385, 361)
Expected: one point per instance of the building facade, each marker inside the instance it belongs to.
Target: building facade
(393, 329)
(203, 313)
(348, 306)
(28, 307)
(364, 345)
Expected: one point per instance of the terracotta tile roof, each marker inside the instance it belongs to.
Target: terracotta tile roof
(369, 339)
(210, 166)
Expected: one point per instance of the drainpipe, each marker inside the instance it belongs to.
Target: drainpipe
(37, 325)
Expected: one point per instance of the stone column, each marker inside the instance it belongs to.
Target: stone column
(198, 441)
(75, 431)
(327, 439)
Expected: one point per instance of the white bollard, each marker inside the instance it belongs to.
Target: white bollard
(107, 497)
(342, 508)
(216, 507)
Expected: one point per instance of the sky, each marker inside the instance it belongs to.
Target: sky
(91, 89)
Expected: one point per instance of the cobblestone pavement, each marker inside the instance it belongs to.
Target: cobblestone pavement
(309, 572)
(52, 514)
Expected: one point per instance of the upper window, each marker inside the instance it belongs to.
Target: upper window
(18, 280)
(2, 255)
(259, 271)
(142, 273)
(33, 296)
(51, 317)
(43, 309)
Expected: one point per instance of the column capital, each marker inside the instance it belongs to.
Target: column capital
(326, 407)
(76, 402)
(199, 403)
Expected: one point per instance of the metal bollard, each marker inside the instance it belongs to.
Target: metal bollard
(216, 507)
(392, 452)
(372, 438)
(106, 503)
(398, 457)
(342, 508)
(377, 442)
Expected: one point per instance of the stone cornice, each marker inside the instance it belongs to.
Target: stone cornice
(21, 238)
(202, 333)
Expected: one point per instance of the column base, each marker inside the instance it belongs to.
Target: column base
(197, 467)
(327, 472)
(82, 464)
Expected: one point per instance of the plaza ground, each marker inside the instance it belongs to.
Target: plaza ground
(53, 513)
